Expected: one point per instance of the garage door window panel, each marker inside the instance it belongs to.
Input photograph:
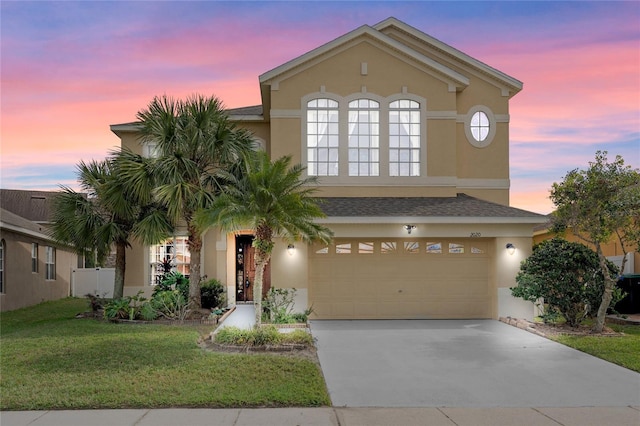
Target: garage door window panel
(456, 248)
(343, 248)
(434, 247)
(412, 247)
(388, 247)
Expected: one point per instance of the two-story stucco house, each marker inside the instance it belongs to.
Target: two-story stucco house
(409, 138)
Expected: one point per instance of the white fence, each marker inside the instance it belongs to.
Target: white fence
(98, 281)
(629, 267)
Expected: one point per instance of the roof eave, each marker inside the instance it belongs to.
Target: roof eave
(532, 220)
(455, 77)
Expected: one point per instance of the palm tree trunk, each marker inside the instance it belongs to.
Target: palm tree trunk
(121, 264)
(195, 248)
(261, 261)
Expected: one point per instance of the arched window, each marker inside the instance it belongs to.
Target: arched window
(322, 137)
(364, 138)
(404, 138)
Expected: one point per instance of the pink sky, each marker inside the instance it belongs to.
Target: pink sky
(69, 70)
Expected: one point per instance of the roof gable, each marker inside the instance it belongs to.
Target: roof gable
(456, 55)
(362, 33)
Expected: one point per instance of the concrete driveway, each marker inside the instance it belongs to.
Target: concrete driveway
(462, 363)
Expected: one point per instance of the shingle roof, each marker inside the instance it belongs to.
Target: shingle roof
(461, 206)
(32, 205)
(9, 218)
(248, 110)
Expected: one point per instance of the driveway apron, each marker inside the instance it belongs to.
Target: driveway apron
(462, 363)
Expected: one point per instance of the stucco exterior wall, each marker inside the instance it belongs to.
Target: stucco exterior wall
(25, 288)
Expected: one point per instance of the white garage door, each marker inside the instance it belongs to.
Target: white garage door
(408, 278)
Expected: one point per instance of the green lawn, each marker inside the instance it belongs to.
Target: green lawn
(50, 360)
(624, 350)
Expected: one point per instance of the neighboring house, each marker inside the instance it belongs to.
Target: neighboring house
(630, 276)
(33, 268)
(611, 250)
(409, 138)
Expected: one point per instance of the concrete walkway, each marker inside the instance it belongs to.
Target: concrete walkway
(243, 316)
(327, 416)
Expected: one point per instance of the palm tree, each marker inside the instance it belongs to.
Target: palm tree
(273, 200)
(106, 214)
(194, 141)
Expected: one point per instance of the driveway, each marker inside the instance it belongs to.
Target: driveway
(462, 363)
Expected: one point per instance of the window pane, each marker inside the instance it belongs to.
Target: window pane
(387, 247)
(363, 134)
(479, 126)
(322, 132)
(456, 248)
(343, 248)
(365, 248)
(404, 132)
(434, 247)
(412, 247)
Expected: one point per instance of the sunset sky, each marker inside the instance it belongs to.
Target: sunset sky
(70, 69)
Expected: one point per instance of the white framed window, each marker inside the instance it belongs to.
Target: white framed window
(364, 138)
(50, 263)
(480, 126)
(34, 257)
(3, 247)
(323, 138)
(404, 138)
(172, 255)
(150, 150)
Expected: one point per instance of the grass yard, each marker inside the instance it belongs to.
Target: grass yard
(624, 350)
(50, 360)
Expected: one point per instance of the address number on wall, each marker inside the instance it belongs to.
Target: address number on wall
(475, 234)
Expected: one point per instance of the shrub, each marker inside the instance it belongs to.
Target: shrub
(212, 294)
(173, 281)
(171, 304)
(567, 276)
(278, 306)
(128, 307)
(261, 336)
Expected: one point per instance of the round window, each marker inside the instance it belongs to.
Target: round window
(479, 126)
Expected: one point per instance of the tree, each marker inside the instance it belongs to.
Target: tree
(272, 199)
(566, 275)
(601, 205)
(194, 142)
(107, 214)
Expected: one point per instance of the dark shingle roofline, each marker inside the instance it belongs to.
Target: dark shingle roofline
(459, 209)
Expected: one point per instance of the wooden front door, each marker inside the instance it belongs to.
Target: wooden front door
(246, 270)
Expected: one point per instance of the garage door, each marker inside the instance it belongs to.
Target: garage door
(396, 279)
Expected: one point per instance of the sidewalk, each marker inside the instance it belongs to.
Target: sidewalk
(576, 416)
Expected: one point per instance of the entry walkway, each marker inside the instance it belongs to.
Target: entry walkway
(243, 316)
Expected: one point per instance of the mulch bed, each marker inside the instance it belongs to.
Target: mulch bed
(551, 330)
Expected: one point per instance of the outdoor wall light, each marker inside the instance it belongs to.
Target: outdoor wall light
(510, 248)
(409, 228)
(290, 249)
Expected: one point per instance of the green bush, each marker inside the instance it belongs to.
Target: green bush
(129, 307)
(212, 294)
(173, 281)
(261, 336)
(566, 276)
(171, 304)
(278, 305)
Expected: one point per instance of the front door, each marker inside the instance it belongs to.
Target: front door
(246, 270)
